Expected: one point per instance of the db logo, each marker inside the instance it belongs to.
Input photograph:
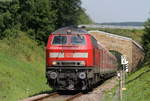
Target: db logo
(68, 55)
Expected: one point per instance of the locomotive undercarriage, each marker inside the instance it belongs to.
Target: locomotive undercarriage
(70, 78)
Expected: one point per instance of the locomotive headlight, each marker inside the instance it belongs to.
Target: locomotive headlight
(82, 63)
(53, 75)
(82, 75)
(54, 63)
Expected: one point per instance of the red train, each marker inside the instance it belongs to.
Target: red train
(76, 61)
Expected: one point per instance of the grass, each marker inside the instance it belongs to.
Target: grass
(22, 68)
(138, 87)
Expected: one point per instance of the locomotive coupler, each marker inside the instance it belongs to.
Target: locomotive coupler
(84, 86)
(70, 85)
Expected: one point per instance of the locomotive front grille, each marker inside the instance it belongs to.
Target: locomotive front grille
(69, 63)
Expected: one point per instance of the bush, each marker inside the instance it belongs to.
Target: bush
(11, 33)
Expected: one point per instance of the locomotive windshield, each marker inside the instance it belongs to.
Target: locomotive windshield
(75, 40)
(68, 39)
(60, 40)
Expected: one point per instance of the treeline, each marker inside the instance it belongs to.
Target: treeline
(38, 18)
(146, 41)
(123, 23)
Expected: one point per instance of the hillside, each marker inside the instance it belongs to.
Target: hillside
(22, 68)
(137, 85)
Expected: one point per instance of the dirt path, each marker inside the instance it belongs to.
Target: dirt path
(97, 94)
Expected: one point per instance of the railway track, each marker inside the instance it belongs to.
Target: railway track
(53, 97)
(95, 95)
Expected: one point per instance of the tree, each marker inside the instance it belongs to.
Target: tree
(39, 17)
(8, 17)
(146, 41)
(67, 12)
(84, 18)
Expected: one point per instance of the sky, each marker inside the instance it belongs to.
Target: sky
(117, 10)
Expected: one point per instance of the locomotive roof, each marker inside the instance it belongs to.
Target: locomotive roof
(70, 30)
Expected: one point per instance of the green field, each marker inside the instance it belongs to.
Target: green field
(22, 68)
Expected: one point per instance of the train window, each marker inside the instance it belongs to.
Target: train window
(78, 39)
(60, 40)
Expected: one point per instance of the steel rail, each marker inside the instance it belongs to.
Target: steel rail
(74, 96)
(41, 96)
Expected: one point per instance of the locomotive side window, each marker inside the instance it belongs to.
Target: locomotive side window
(94, 41)
(60, 40)
(78, 39)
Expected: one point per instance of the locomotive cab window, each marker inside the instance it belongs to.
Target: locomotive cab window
(59, 40)
(77, 40)
(94, 41)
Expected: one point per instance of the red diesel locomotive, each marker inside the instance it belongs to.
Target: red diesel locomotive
(76, 61)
